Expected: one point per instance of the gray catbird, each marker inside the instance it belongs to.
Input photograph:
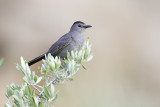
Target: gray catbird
(73, 40)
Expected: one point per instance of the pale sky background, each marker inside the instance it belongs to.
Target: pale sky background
(125, 70)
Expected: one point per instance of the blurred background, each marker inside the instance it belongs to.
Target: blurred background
(125, 70)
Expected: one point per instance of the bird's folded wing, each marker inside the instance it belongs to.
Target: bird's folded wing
(63, 42)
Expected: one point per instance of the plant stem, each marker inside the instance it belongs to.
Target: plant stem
(36, 88)
(52, 81)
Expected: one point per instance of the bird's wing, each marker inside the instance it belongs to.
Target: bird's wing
(63, 42)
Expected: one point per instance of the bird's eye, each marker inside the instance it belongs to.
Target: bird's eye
(79, 26)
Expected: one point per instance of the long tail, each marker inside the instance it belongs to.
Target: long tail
(36, 60)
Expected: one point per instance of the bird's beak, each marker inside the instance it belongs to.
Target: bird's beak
(87, 26)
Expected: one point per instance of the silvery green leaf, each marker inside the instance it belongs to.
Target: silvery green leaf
(28, 69)
(55, 98)
(90, 58)
(16, 99)
(73, 64)
(19, 68)
(25, 79)
(51, 65)
(80, 53)
(70, 67)
(9, 92)
(58, 63)
(23, 63)
(59, 60)
(56, 59)
(2, 62)
(52, 89)
(35, 101)
(70, 79)
(87, 53)
(72, 54)
(41, 105)
(45, 78)
(46, 92)
(25, 67)
(35, 78)
(27, 90)
(39, 79)
(8, 105)
(66, 61)
(68, 54)
(21, 94)
(84, 67)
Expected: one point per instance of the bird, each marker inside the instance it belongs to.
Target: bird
(73, 40)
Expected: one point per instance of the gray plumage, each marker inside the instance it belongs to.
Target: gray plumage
(73, 40)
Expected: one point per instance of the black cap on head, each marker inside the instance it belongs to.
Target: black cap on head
(78, 22)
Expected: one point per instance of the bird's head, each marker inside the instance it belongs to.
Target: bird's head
(79, 26)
